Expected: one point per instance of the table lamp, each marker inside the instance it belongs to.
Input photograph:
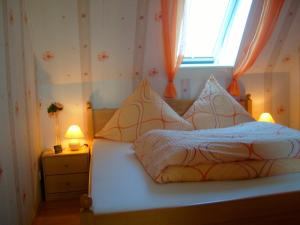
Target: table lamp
(266, 117)
(74, 133)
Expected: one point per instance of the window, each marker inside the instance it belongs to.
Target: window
(212, 30)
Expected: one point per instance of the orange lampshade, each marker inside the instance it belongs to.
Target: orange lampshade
(74, 132)
(266, 117)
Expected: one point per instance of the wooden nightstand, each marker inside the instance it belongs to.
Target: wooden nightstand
(65, 174)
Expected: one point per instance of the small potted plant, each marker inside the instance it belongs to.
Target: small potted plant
(53, 111)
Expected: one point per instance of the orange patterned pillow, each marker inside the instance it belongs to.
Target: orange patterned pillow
(216, 108)
(144, 110)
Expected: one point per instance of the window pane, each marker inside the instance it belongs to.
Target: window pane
(213, 30)
(229, 50)
(204, 23)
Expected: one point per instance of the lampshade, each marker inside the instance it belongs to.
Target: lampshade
(266, 117)
(74, 132)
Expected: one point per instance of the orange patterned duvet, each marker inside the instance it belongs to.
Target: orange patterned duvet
(245, 151)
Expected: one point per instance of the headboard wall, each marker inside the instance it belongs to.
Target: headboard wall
(97, 118)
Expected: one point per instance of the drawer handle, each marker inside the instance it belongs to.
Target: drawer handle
(66, 166)
(68, 183)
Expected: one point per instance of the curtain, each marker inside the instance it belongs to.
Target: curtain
(268, 18)
(172, 14)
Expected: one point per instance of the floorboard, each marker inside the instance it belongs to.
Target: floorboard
(65, 212)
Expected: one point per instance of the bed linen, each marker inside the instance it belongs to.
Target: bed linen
(228, 171)
(248, 150)
(142, 111)
(215, 108)
(118, 183)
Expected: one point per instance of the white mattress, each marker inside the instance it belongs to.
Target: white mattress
(119, 183)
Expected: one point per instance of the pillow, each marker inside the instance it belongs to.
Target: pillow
(144, 110)
(216, 108)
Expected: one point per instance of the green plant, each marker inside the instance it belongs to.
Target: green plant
(55, 107)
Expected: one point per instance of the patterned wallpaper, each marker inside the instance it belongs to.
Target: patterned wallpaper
(98, 50)
(20, 129)
(279, 64)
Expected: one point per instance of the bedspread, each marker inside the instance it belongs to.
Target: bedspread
(227, 149)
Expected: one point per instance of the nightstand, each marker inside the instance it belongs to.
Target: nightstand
(65, 174)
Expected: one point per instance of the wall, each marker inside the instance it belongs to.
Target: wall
(54, 27)
(19, 134)
(290, 61)
(98, 50)
(81, 57)
(190, 80)
(7, 172)
(295, 91)
(278, 64)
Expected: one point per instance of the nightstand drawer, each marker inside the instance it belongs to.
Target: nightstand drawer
(66, 183)
(66, 164)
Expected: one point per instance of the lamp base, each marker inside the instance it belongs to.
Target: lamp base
(74, 146)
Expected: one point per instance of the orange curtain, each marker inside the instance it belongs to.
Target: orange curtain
(172, 11)
(267, 21)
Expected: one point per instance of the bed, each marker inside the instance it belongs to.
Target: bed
(122, 193)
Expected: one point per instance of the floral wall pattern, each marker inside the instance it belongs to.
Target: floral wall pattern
(98, 50)
(20, 129)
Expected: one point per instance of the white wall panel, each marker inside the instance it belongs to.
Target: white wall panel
(20, 152)
(8, 194)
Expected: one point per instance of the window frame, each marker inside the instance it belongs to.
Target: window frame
(210, 60)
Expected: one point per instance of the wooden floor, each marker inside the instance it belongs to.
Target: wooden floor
(64, 212)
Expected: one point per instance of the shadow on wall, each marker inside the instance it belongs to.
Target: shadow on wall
(68, 94)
